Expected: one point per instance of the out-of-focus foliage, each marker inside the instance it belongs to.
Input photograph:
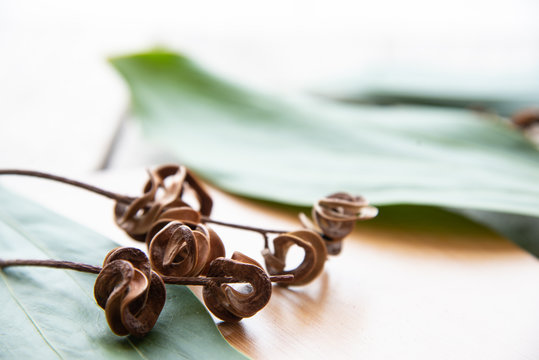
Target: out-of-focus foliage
(294, 152)
(503, 93)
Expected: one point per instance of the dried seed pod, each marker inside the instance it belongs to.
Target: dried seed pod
(526, 117)
(180, 178)
(230, 304)
(313, 261)
(190, 218)
(335, 217)
(216, 246)
(183, 214)
(217, 249)
(131, 294)
(183, 248)
(162, 192)
(241, 257)
(528, 121)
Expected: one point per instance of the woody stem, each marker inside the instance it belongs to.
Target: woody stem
(79, 184)
(184, 280)
(128, 199)
(262, 231)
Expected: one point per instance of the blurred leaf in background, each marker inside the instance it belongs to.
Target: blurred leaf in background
(297, 150)
(501, 92)
(53, 312)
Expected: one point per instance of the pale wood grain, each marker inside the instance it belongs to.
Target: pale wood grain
(417, 283)
(433, 286)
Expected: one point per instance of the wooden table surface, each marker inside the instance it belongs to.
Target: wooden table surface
(416, 283)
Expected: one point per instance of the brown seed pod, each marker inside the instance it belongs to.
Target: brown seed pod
(183, 214)
(335, 217)
(528, 121)
(230, 304)
(162, 192)
(131, 294)
(183, 248)
(313, 261)
(190, 218)
(526, 117)
(217, 249)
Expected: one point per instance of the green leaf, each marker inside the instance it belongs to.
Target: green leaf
(504, 93)
(297, 151)
(51, 313)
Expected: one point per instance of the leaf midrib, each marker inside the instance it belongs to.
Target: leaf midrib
(29, 317)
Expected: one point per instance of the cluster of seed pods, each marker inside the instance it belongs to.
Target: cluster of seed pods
(181, 244)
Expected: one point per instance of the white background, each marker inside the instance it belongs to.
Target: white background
(60, 101)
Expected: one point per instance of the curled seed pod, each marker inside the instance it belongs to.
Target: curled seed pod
(313, 261)
(528, 121)
(241, 257)
(179, 248)
(232, 305)
(162, 192)
(217, 250)
(335, 217)
(135, 256)
(191, 219)
(131, 294)
(180, 178)
(183, 214)
(526, 117)
(136, 218)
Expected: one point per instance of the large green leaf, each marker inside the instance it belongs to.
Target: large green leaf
(502, 92)
(294, 152)
(50, 313)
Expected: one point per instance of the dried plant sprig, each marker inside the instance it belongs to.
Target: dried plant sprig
(230, 304)
(188, 247)
(335, 216)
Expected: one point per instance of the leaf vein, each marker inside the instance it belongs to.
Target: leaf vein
(27, 314)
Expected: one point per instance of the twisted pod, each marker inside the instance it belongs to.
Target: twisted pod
(313, 261)
(335, 216)
(131, 294)
(230, 304)
(163, 191)
(183, 248)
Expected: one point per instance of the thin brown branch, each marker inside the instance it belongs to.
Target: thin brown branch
(43, 175)
(262, 231)
(69, 265)
(52, 264)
